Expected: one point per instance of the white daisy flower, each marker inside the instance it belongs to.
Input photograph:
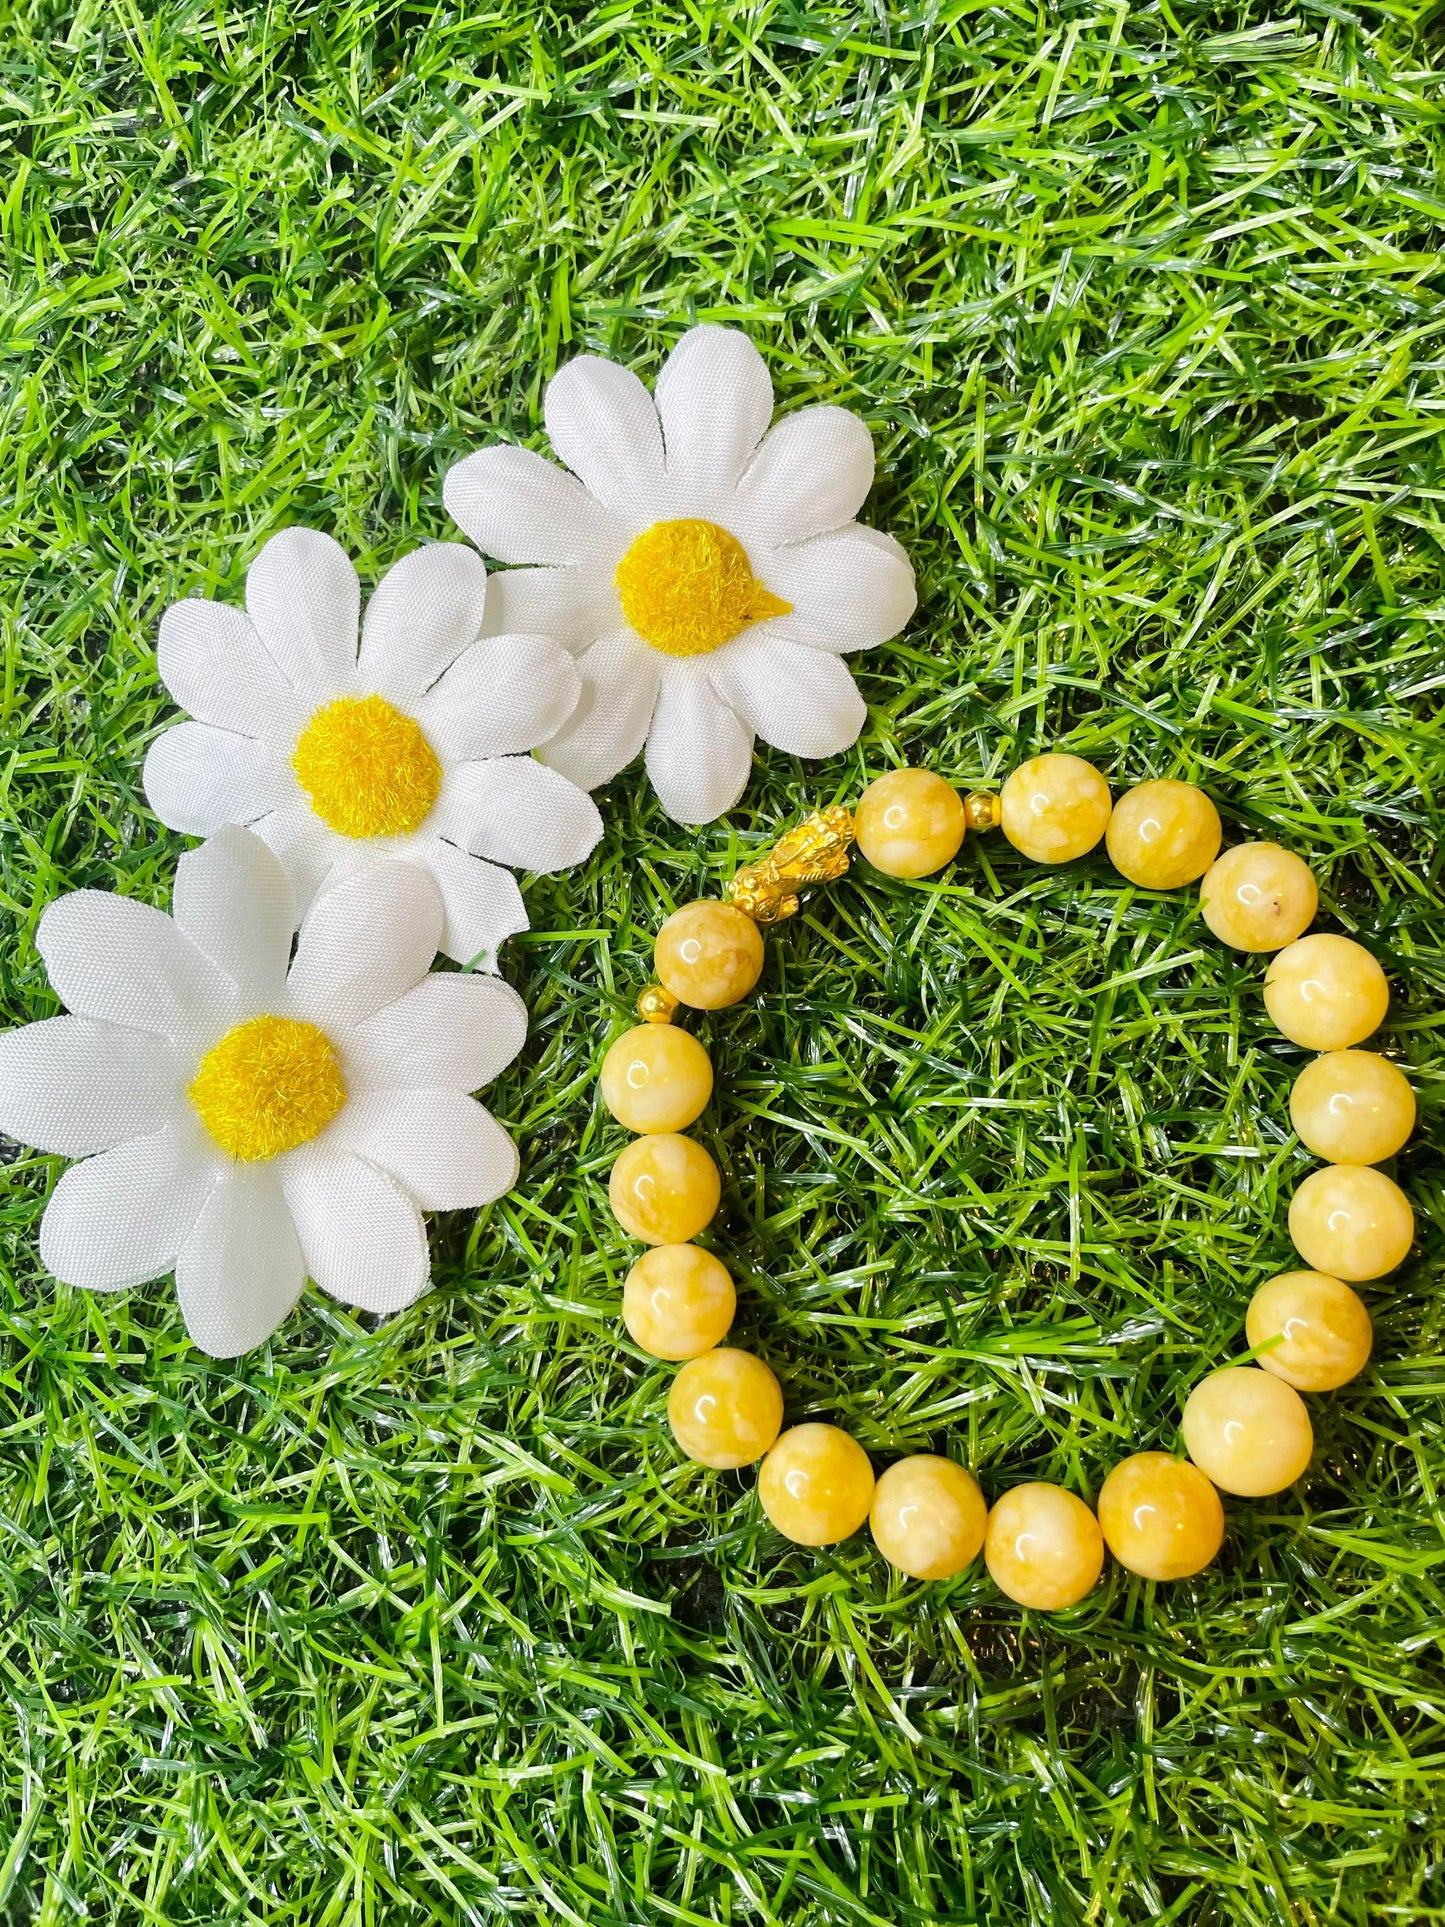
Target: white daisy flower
(246, 1124)
(705, 569)
(417, 746)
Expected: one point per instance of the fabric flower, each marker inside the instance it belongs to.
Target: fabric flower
(417, 746)
(245, 1124)
(705, 569)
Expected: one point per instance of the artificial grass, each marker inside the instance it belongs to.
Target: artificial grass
(427, 1621)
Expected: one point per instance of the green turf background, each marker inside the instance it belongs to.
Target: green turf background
(428, 1622)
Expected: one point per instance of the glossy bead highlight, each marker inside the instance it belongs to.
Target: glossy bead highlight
(1351, 1221)
(1258, 897)
(709, 955)
(1316, 1331)
(656, 1078)
(1055, 807)
(1247, 1431)
(1163, 834)
(1160, 1517)
(928, 1517)
(678, 1301)
(725, 1408)
(816, 1485)
(909, 823)
(1043, 1547)
(1352, 1107)
(664, 1189)
(1326, 993)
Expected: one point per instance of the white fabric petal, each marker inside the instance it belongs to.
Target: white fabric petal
(811, 474)
(121, 1218)
(127, 963)
(502, 696)
(198, 777)
(716, 401)
(517, 811)
(850, 589)
(240, 1271)
(620, 677)
(304, 597)
(455, 1031)
(361, 1235)
(699, 754)
(426, 610)
(573, 606)
(71, 1086)
(520, 508)
(442, 1147)
(603, 425)
(803, 701)
(215, 665)
(363, 943)
(307, 849)
(483, 903)
(234, 901)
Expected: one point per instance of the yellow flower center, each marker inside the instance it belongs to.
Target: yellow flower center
(687, 587)
(368, 769)
(270, 1084)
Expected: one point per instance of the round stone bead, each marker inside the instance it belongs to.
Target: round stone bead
(1160, 1517)
(1248, 1431)
(1321, 1331)
(928, 1517)
(1054, 807)
(678, 1301)
(656, 1078)
(1351, 1221)
(708, 954)
(1326, 993)
(664, 1189)
(909, 823)
(1352, 1107)
(1043, 1546)
(1162, 834)
(816, 1485)
(1258, 897)
(725, 1408)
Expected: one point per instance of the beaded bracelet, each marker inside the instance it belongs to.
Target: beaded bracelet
(1246, 1430)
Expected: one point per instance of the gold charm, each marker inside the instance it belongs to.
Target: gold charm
(815, 852)
(982, 810)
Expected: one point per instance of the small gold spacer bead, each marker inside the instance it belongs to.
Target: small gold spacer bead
(657, 1005)
(982, 810)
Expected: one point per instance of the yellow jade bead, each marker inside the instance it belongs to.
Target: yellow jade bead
(1326, 993)
(1160, 1517)
(1351, 1221)
(909, 823)
(1352, 1107)
(928, 1517)
(1258, 897)
(1043, 1546)
(1317, 1332)
(1055, 807)
(1163, 834)
(1248, 1431)
(816, 1485)
(678, 1301)
(656, 1078)
(725, 1408)
(664, 1189)
(708, 954)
